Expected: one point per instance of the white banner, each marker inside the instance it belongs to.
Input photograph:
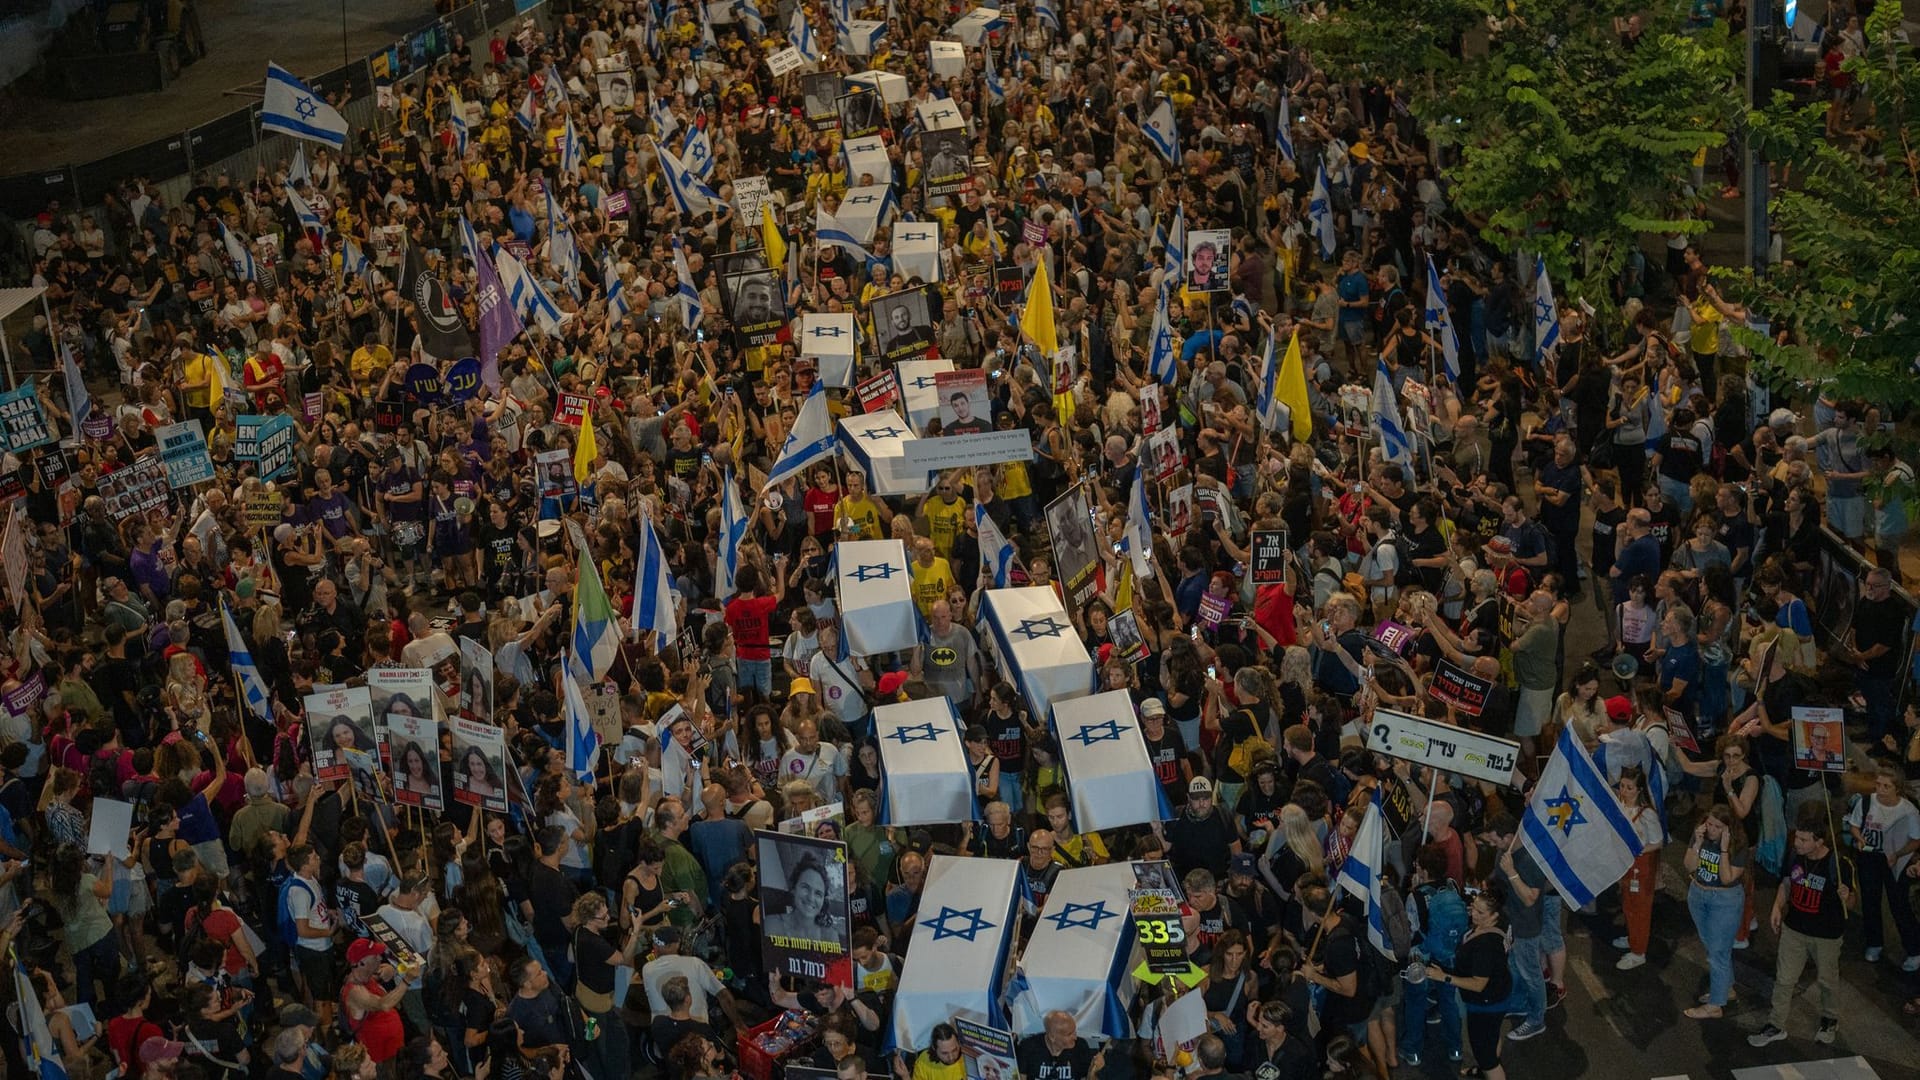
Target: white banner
(750, 193)
(916, 249)
(967, 451)
(1443, 746)
(876, 596)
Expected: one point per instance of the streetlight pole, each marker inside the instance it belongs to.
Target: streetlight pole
(1763, 69)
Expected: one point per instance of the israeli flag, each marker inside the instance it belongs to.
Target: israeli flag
(961, 936)
(1109, 776)
(583, 743)
(995, 548)
(571, 154)
(297, 172)
(800, 34)
(239, 254)
(240, 659)
(616, 289)
(1440, 322)
(926, 779)
(842, 12)
(1139, 527)
(685, 291)
(290, 107)
(553, 89)
(1546, 314)
(1177, 242)
(1047, 13)
(828, 231)
(457, 122)
(750, 15)
(877, 614)
(42, 1051)
(733, 530)
(354, 261)
(525, 294)
(996, 93)
(1320, 214)
(528, 114)
(661, 112)
(653, 588)
(1283, 128)
(1162, 132)
(811, 439)
(1360, 875)
(1269, 386)
(540, 306)
(829, 338)
(79, 402)
(1386, 418)
(690, 195)
(696, 151)
(1038, 646)
(1575, 827)
(309, 220)
(562, 253)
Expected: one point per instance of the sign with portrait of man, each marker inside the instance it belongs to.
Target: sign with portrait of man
(820, 99)
(861, 114)
(615, 79)
(944, 161)
(903, 322)
(755, 307)
(1207, 256)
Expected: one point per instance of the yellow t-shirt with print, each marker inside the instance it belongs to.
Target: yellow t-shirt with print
(930, 584)
(1706, 327)
(945, 521)
(1014, 483)
(199, 368)
(863, 513)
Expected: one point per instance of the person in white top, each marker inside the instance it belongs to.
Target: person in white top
(668, 962)
(820, 764)
(1886, 832)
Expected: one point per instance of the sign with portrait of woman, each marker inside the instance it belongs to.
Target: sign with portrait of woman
(805, 929)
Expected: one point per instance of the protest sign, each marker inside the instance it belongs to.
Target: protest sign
(1443, 746)
(183, 447)
(1459, 688)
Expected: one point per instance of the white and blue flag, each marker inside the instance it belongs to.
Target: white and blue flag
(1575, 827)
(661, 113)
(1386, 418)
(1139, 527)
(812, 439)
(583, 743)
(696, 152)
(653, 588)
(290, 107)
(690, 194)
(298, 172)
(800, 34)
(528, 114)
(1163, 132)
(1269, 412)
(309, 219)
(1047, 13)
(571, 154)
(79, 402)
(996, 92)
(1283, 128)
(750, 15)
(1360, 875)
(1320, 214)
(995, 549)
(733, 531)
(457, 122)
(616, 289)
(1546, 314)
(829, 232)
(240, 659)
(37, 1043)
(1440, 322)
(239, 254)
(1162, 357)
(685, 291)
(1177, 242)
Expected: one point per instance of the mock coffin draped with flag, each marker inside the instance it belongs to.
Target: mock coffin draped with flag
(290, 107)
(1109, 776)
(1037, 645)
(1575, 827)
(443, 333)
(1079, 958)
(829, 338)
(862, 210)
(960, 940)
(830, 231)
(877, 614)
(877, 443)
(925, 776)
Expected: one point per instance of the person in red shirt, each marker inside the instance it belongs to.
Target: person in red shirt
(821, 497)
(750, 616)
(371, 1000)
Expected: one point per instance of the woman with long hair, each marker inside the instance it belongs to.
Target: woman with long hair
(1642, 879)
(551, 801)
(80, 899)
(1481, 974)
(484, 899)
(757, 740)
(1581, 706)
(1717, 860)
(1227, 989)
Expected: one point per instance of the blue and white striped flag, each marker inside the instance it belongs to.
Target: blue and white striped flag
(353, 260)
(1575, 827)
(696, 152)
(239, 254)
(691, 310)
(1177, 242)
(661, 113)
(240, 659)
(1283, 128)
(800, 34)
(571, 153)
(309, 220)
(750, 15)
(298, 172)
(563, 253)
(1320, 214)
(1360, 875)
(653, 588)
(553, 89)
(811, 439)
(1440, 322)
(1386, 417)
(733, 530)
(842, 12)
(1546, 314)
(995, 548)
(37, 1044)
(996, 93)
(290, 107)
(583, 742)
(528, 114)
(1047, 13)
(690, 195)
(1163, 131)
(1269, 412)
(79, 401)
(829, 232)
(616, 289)
(1162, 357)
(457, 121)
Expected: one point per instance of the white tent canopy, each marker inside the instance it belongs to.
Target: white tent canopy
(877, 443)
(876, 597)
(1079, 958)
(960, 941)
(924, 775)
(1038, 646)
(1109, 775)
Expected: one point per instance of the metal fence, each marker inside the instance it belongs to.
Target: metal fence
(234, 143)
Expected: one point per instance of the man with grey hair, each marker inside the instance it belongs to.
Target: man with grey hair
(1534, 668)
(261, 815)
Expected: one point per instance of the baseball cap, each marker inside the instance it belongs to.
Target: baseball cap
(159, 1048)
(1245, 863)
(1153, 706)
(1619, 709)
(1200, 785)
(364, 948)
(1782, 418)
(891, 682)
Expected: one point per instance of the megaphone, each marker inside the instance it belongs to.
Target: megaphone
(1625, 666)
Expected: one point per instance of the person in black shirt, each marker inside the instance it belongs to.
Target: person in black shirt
(1202, 836)
(1559, 486)
(1810, 915)
(551, 894)
(596, 959)
(1166, 751)
(1879, 631)
(1277, 1055)
(1481, 973)
(1058, 1053)
(1334, 965)
(676, 1023)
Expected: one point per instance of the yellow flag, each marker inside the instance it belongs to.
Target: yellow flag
(771, 239)
(1292, 390)
(1037, 320)
(587, 448)
(217, 373)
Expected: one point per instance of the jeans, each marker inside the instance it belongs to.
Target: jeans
(612, 1051)
(1795, 949)
(1878, 692)
(1010, 788)
(100, 960)
(1526, 959)
(755, 675)
(1678, 493)
(1716, 916)
(1430, 997)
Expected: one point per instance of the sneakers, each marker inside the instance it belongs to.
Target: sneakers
(1409, 1061)
(1873, 954)
(1621, 942)
(1829, 1027)
(1555, 995)
(1630, 961)
(1742, 944)
(1911, 964)
(1766, 1036)
(1526, 1031)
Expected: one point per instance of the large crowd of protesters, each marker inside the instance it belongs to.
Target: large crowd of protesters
(1638, 486)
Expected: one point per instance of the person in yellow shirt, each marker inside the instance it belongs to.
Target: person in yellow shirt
(946, 515)
(196, 377)
(1071, 849)
(369, 362)
(940, 1061)
(856, 515)
(932, 577)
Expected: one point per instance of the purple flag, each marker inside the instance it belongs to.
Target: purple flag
(499, 322)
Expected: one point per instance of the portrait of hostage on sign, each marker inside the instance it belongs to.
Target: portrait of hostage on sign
(804, 906)
(755, 306)
(904, 323)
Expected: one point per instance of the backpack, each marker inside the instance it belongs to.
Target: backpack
(289, 926)
(1247, 752)
(1443, 921)
(1393, 907)
(1405, 576)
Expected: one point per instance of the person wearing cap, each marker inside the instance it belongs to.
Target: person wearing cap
(160, 1056)
(370, 999)
(1166, 751)
(311, 1063)
(1201, 836)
